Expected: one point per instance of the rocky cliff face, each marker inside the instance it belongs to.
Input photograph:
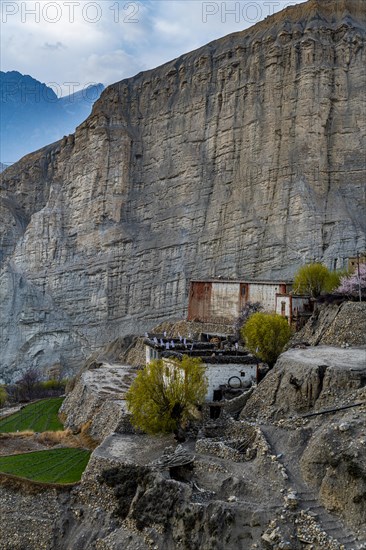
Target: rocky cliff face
(239, 159)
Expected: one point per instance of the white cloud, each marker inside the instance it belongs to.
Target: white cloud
(107, 67)
(82, 41)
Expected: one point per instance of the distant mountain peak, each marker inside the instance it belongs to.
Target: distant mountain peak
(32, 115)
(90, 93)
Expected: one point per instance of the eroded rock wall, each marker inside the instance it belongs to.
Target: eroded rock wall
(243, 158)
(314, 378)
(96, 406)
(334, 463)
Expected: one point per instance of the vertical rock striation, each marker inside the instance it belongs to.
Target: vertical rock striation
(242, 158)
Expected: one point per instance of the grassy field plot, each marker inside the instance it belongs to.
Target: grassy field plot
(54, 466)
(38, 417)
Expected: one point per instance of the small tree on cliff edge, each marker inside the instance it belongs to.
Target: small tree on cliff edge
(316, 278)
(3, 396)
(162, 398)
(266, 335)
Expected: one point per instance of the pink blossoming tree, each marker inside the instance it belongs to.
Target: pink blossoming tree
(351, 284)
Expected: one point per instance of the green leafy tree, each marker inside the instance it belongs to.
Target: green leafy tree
(316, 278)
(266, 335)
(163, 397)
(3, 396)
(335, 279)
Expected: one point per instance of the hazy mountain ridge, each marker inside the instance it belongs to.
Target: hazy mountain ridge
(32, 115)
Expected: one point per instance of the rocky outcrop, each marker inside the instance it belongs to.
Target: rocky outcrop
(334, 325)
(242, 158)
(334, 462)
(310, 379)
(28, 519)
(96, 405)
(125, 502)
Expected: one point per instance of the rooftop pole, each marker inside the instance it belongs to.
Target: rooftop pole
(358, 277)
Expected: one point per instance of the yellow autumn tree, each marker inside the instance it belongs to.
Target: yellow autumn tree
(315, 278)
(163, 396)
(3, 396)
(265, 335)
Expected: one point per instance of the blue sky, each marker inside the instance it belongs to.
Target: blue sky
(69, 44)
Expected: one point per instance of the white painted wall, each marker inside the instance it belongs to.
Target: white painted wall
(225, 300)
(220, 374)
(265, 294)
(298, 303)
(151, 354)
(285, 299)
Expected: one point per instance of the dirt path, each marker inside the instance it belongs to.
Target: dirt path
(289, 446)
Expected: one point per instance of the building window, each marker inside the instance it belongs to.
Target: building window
(283, 309)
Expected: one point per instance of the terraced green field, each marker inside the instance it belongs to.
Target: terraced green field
(54, 466)
(39, 417)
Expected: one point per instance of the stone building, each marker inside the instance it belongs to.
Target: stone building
(221, 300)
(228, 369)
(356, 261)
(296, 308)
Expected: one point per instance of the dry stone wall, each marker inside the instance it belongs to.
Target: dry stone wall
(343, 324)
